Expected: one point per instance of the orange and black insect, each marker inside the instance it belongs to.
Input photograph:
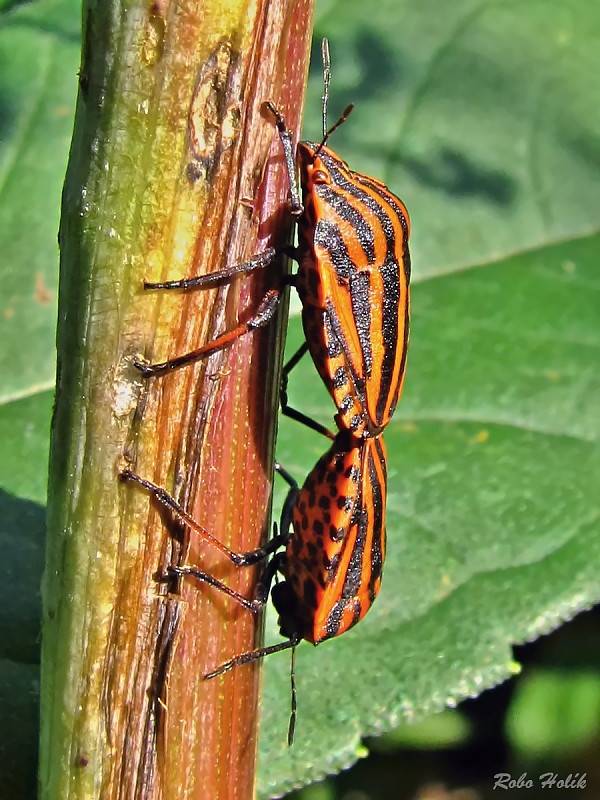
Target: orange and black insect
(353, 281)
(334, 555)
(333, 530)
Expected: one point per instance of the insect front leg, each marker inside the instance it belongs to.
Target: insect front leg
(262, 317)
(219, 277)
(205, 577)
(279, 539)
(163, 497)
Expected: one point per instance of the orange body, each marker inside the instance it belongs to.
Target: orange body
(334, 557)
(353, 282)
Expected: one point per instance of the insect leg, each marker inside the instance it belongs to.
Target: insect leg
(239, 559)
(293, 413)
(294, 701)
(220, 276)
(264, 586)
(166, 500)
(296, 207)
(285, 520)
(265, 312)
(279, 539)
(205, 577)
(252, 655)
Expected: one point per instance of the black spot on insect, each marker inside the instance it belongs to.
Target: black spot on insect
(318, 527)
(346, 404)
(309, 485)
(324, 503)
(332, 479)
(296, 543)
(321, 472)
(353, 473)
(342, 502)
(312, 549)
(333, 490)
(309, 564)
(326, 518)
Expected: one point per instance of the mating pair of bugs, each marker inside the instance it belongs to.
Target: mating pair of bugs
(353, 282)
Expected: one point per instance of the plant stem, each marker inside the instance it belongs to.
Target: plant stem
(166, 179)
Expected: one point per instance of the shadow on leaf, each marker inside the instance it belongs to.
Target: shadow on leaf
(22, 541)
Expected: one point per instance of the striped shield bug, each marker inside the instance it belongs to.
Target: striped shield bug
(334, 556)
(353, 279)
(353, 282)
(333, 531)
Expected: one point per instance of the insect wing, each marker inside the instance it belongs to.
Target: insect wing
(322, 518)
(356, 581)
(354, 284)
(335, 556)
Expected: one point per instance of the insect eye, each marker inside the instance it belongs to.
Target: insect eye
(319, 176)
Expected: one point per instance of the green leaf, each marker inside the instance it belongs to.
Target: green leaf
(492, 507)
(449, 729)
(39, 52)
(24, 428)
(554, 713)
(483, 117)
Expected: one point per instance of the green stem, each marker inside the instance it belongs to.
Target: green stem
(166, 179)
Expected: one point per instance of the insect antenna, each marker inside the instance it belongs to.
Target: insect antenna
(294, 706)
(326, 81)
(344, 116)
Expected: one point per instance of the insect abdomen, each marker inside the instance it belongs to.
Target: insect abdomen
(334, 558)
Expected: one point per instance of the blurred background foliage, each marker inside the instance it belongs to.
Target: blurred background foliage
(484, 118)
